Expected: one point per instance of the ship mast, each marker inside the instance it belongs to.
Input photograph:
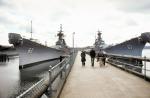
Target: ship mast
(99, 35)
(60, 34)
(31, 30)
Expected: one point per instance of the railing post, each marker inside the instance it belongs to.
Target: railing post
(144, 67)
(70, 60)
(50, 79)
(126, 67)
(65, 64)
(60, 66)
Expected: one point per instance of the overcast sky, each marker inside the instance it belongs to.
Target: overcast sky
(119, 20)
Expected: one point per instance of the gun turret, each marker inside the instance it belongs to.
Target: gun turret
(15, 39)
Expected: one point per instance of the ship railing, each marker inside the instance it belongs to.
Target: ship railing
(139, 69)
(52, 84)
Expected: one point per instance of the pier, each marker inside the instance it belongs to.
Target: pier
(103, 82)
(69, 79)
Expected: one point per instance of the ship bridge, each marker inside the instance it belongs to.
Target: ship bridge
(72, 80)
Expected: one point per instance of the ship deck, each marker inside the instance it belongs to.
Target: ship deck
(103, 82)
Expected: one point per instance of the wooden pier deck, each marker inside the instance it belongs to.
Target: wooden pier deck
(103, 82)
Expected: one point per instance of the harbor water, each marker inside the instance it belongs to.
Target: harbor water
(14, 81)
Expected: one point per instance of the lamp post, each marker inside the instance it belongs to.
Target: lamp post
(73, 40)
(31, 30)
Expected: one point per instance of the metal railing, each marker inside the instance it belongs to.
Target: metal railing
(127, 56)
(134, 68)
(57, 76)
(36, 90)
(52, 84)
(45, 85)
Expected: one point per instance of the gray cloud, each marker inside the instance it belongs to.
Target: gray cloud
(5, 20)
(2, 2)
(58, 15)
(131, 22)
(6, 3)
(141, 6)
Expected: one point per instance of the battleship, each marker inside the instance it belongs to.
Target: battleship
(30, 52)
(130, 48)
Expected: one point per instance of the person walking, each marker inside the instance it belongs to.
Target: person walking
(102, 58)
(92, 54)
(83, 58)
(99, 59)
(98, 56)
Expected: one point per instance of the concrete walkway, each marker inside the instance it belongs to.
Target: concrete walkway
(104, 82)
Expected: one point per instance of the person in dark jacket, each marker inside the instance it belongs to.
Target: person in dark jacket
(83, 58)
(92, 54)
(102, 57)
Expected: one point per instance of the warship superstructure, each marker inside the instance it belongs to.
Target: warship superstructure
(61, 44)
(31, 52)
(99, 43)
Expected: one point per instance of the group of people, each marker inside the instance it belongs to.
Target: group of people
(100, 57)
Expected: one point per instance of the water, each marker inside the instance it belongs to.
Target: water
(9, 73)
(14, 81)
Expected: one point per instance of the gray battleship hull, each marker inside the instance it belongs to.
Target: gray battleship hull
(31, 52)
(131, 47)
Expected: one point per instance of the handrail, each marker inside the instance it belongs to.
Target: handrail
(127, 56)
(62, 69)
(52, 68)
(45, 84)
(116, 62)
(127, 64)
(28, 90)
